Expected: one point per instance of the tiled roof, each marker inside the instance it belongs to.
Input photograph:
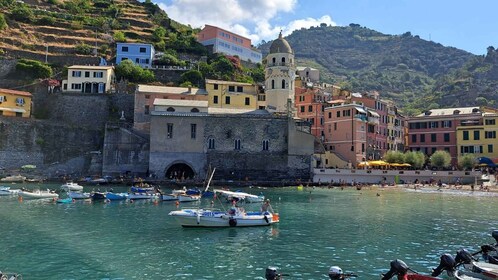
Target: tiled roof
(208, 81)
(90, 67)
(15, 92)
(180, 102)
(169, 90)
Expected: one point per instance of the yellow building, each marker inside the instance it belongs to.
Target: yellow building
(235, 95)
(89, 79)
(477, 136)
(15, 103)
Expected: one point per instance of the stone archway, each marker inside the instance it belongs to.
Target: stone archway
(179, 171)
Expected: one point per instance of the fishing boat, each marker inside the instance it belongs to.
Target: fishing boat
(78, 195)
(116, 196)
(335, 273)
(38, 194)
(235, 217)
(139, 189)
(71, 187)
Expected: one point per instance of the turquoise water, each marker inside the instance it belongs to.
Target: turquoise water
(356, 230)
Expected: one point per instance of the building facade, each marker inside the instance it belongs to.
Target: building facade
(15, 103)
(226, 94)
(222, 41)
(308, 74)
(140, 53)
(89, 79)
(280, 73)
(477, 136)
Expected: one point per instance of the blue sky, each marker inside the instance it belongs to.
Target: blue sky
(467, 25)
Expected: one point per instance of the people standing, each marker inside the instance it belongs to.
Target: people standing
(266, 207)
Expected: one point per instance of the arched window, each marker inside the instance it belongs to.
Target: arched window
(170, 109)
(194, 110)
(283, 84)
(211, 144)
(272, 84)
(274, 60)
(283, 59)
(236, 144)
(266, 145)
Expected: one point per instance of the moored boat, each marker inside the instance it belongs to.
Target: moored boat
(216, 218)
(38, 194)
(97, 195)
(169, 197)
(78, 195)
(64, 200)
(133, 196)
(71, 186)
(116, 196)
(188, 198)
(14, 179)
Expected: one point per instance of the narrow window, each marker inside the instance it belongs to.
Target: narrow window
(146, 111)
(215, 86)
(169, 130)
(266, 144)
(215, 99)
(237, 144)
(446, 137)
(433, 137)
(227, 99)
(465, 135)
(477, 134)
(283, 84)
(193, 130)
(272, 84)
(248, 101)
(211, 145)
(87, 74)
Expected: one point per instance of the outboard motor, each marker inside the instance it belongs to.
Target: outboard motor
(398, 267)
(486, 249)
(447, 263)
(463, 257)
(272, 273)
(335, 273)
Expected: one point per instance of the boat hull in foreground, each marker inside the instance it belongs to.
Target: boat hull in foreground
(215, 218)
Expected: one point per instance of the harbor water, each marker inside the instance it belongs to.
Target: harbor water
(358, 230)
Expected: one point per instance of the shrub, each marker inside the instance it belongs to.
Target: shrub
(46, 20)
(466, 162)
(84, 49)
(119, 36)
(134, 73)
(34, 68)
(3, 23)
(440, 159)
(22, 13)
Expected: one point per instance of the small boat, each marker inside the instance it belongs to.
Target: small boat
(240, 196)
(169, 197)
(133, 196)
(78, 195)
(116, 196)
(64, 200)
(188, 198)
(235, 217)
(335, 272)
(97, 195)
(10, 276)
(71, 186)
(136, 189)
(14, 179)
(193, 191)
(38, 194)
(6, 191)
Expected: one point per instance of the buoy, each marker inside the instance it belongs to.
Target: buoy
(177, 203)
(20, 198)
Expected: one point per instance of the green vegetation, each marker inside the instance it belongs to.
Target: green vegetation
(119, 36)
(466, 162)
(134, 73)
(3, 23)
(416, 159)
(440, 159)
(34, 69)
(22, 13)
(394, 157)
(84, 49)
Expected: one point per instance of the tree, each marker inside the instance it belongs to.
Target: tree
(133, 72)
(158, 34)
(34, 68)
(394, 157)
(3, 23)
(440, 159)
(119, 36)
(416, 159)
(192, 76)
(467, 161)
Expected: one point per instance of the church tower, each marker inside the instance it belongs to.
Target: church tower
(280, 72)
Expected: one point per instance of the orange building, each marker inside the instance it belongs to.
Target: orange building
(15, 103)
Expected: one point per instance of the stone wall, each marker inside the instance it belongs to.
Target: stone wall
(6, 66)
(167, 76)
(60, 60)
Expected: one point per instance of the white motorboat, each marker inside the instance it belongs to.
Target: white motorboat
(14, 179)
(6, 191)
(240, 196)
(216, 218)
(169, 197)
(78, 195)
(188, 197)
(133, 196)
(72, 187)
(38, 194)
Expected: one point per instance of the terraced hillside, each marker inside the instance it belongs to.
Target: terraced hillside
(81, 28)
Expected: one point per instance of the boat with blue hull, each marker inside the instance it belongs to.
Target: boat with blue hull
(116, 196)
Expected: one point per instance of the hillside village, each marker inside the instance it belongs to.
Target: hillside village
(276, 122)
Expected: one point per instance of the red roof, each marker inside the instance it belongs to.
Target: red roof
(15, 92)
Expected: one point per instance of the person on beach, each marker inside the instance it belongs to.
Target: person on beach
(266, 207)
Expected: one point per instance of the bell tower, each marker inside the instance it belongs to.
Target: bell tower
(280, 72)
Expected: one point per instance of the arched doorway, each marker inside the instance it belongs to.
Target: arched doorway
(180, 171)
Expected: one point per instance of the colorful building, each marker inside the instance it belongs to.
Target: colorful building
(145, 95)
(310, 105)
(89, 79)
(477, 136)
(140, 53)
(219, 40)
(15, 103)
(235, 95)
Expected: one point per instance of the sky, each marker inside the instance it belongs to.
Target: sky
(468, 25)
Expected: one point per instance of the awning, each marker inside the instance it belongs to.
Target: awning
(17, 110)
(361, 110)
(373, 113)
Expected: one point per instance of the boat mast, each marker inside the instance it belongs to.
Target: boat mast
(209, 181)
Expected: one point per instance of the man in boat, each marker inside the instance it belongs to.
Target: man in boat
(266, 207)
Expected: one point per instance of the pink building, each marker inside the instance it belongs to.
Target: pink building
(310, 105)
(219, 40)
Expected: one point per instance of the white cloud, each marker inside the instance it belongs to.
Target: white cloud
(252, 19)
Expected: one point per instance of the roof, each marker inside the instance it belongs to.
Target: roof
(180, 102)
(373, 113)
(15, 92)
(301, 68)
(91, 67)
(170, 90)
(451, 111)
(208, 81)
(280, 45)
(218, 28)
(237, 111)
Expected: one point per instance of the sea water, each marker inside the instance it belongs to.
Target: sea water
(360, 231)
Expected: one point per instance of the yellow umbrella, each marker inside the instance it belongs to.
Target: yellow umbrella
(406, 164)
(378, 163)
(362, 164)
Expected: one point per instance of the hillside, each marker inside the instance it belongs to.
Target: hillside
(402, 67)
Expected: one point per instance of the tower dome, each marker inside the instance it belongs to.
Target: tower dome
(280, 45)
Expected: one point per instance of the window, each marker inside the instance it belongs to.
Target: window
(465, 135)
(137, 60)
(194, 110)
(283, 59)
(147, 96)
(338, 114)
(169, 130)
(76, 74)
(147, 109)
(302, 109)
(193, 130)
(237, 144)
(433, 124)
(240, 89)
(446, 137)
(274, 60)
(20, 101)
(310, 108)
(490, 148)
(101, 88)
(266, 144)
(143, 50)
(75, 86)
(170, 109)
(477, 134)
(330, 115)
(283, 84)
(215, 99)
(422, 138)
(489, 134)
(231, 88)
(211, 145)
(335, 126)
(87, 74)
(124, 49)
(490, 122)
(261, 97)
(433, 150)
(414, 138)
(147, 61)
(3, 98)
(433, 137)
(446, 124)
(272, 84)
(227, 99)
(215, 86)
(248, 101)
(98, 74)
